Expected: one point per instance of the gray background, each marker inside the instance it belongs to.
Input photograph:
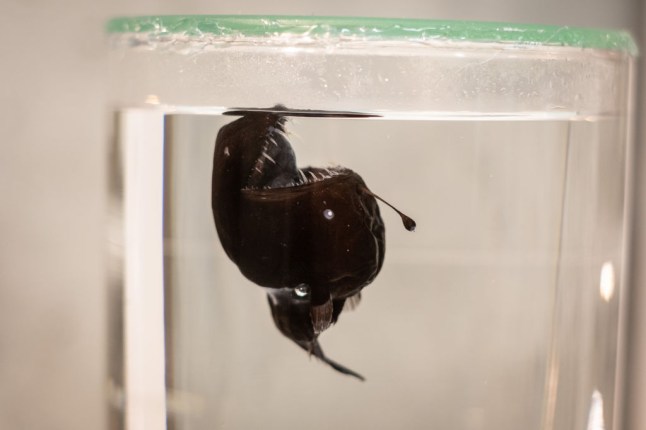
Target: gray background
(53, 182)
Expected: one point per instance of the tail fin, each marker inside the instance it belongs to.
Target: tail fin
(315, 349)
(281, 110)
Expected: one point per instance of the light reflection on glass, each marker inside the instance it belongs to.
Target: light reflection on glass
(607, 281)
(152, 99)
(595, 416)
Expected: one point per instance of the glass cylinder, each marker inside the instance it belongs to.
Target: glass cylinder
(249, 161)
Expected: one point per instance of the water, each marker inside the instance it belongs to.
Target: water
(493, 314)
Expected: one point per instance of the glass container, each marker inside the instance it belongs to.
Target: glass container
(242, 246)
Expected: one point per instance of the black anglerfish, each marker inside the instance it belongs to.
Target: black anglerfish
(313, 237)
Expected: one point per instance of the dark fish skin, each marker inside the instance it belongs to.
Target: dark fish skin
(312, 237)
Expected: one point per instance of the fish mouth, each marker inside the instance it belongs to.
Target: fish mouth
(305, 176)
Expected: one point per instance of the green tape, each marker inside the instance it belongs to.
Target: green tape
(376, 29)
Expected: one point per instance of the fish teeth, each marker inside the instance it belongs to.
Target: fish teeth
(300, 172)
(268, 157)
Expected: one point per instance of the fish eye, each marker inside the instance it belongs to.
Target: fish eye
(328, 214)
(302, 291)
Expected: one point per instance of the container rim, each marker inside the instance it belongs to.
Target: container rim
(241, 26)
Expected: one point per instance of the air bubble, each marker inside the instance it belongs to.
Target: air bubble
(302, 290)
